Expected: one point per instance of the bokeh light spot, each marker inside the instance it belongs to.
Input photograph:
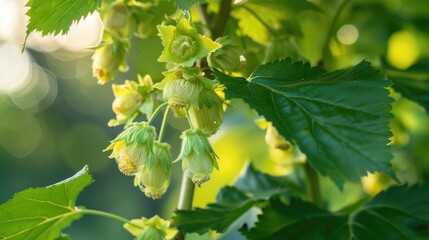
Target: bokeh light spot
(21, 133)
(348, 34)
(14, 68)
(402, 50)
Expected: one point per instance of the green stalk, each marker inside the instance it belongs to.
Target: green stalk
(222, 18)
(107, 215)
(163, 124)
(268, 27)
(326, 53)
(313, 184)
(187, 188)
(187, 195)
(157, 110)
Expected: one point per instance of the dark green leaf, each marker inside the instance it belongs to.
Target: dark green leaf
(186, 4)
(415, 90)
(340, 120)
(254, 16)
(56, 16)
(63, 237)
(217, 216)
(398, 213)
(41, 213)
(259, 185)
(297, 220)
(232, 202)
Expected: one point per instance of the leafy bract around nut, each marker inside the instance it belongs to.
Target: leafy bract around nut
(208, 114)
(183, 45)
(131, 98)
(154, 228)
(154, 177)
(197, 155)
(181, 86)
(108, 59)
(133, 147)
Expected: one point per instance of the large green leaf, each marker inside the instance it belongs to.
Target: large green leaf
(296, 220)
(254, 16)
(399, 213)
(56, 16)
(259, 185)
(415, 90)
(186, 4)
(232, 202)
(340, 120)
(41, 213)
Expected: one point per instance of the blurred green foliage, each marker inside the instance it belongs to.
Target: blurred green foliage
(58, 123)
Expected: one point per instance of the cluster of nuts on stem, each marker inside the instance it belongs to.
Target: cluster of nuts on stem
(137, 149)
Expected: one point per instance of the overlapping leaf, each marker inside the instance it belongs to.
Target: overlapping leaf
(232, 202)
(41, 213)
(186, 4)
(415, 90)
(340, 119)
(399, 213)
(56, 16)
(255, 15)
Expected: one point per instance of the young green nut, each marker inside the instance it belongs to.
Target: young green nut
(183, 47)
(107, 60)
(181, 92)
(154, 228)
(126, 105)
(132, 148)
(154, 177)
(197, 155)
(208, 116)
(275, 140)
(207, 119)
(116, 19)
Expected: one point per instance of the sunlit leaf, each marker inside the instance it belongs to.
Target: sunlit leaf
(340, 120)
(56, 16)
(41, 213)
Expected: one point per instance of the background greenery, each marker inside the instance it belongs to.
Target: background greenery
(53, 115)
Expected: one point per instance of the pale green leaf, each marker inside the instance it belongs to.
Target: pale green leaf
(56, 16)
(340, 120)
(41, 213)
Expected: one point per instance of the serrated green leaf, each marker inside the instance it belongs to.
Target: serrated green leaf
(186, 4)
(252, 15)
(398, 213)
(340, 120)
(41, 213)
(296, 220)
(232, 202)
(56, 16)
(259, 185)
(415, 90)
(217, 216)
